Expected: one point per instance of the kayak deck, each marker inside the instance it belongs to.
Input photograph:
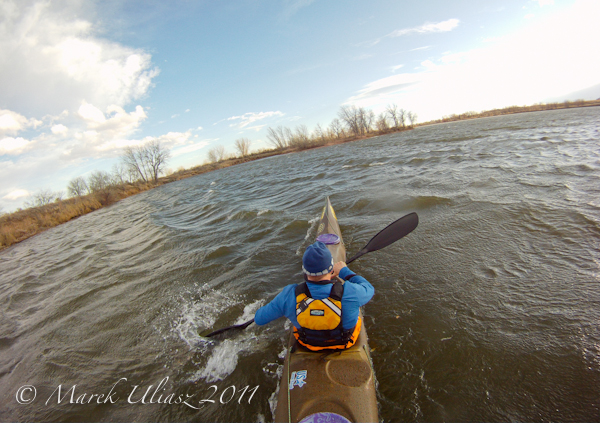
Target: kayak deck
(340, 382)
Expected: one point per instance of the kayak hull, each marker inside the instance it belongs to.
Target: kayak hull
(340, 382)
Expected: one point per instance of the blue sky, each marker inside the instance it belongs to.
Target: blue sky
(80, 80)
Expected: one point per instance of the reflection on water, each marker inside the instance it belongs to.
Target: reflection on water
(489, 311)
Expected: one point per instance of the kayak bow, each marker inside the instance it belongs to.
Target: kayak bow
(338, 386)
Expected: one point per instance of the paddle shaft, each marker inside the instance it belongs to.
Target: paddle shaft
(240, 327)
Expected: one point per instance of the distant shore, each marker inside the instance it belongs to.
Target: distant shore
(514, 110)
(22, 224)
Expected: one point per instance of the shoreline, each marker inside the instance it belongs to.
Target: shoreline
(18, 226)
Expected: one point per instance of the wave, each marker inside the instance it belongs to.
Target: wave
(429, 201)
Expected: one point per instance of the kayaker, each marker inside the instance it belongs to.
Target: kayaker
(324, 312)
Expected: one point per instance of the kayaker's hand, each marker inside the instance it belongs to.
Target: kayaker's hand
(337, 267)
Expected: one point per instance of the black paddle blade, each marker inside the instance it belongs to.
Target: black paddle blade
(390, 234)
(239, 327)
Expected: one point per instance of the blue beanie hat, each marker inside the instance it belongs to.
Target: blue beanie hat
(317, 260)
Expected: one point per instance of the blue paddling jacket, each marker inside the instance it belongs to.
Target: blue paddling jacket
(357, 292)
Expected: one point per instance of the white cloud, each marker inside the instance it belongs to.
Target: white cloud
(55, 59)
(383, 88)
(119, 122)
(190, 148)
(16, 194)
(171, 139)
(116, 143)
(256, 128)
(14, 146)
(249, 118)
(58, 68)
(427, 28)
(11, 123)
(543, 3)
(91, 113)
(59, 129)
(525, 67)
(428, 64)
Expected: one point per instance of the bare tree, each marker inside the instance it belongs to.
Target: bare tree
(382, 123)
(242, 145)
(147, 161)
(301, 137)
(120, 174)
(216, 154)
(392, 110)
(134, 159)
(288, 136)
(276, 137)
(402, 117)
(43, 197)
(99, 180)
(351, 117)
(413, 118)
(157, 157)
(358, 120)
(337, 128)
(368, 120)
(319, 134)
(78, 187)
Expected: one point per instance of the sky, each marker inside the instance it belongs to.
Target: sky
(80, 79)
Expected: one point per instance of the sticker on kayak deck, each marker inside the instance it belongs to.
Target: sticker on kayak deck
(297, 379)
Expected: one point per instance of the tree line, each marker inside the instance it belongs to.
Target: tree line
(143, 163)
(517, 109)
(351, 123)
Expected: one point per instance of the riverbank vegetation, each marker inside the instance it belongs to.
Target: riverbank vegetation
(516, 109)
(140, 167)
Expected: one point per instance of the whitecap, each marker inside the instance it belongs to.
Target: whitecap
(249, 311)
(309, 233)
(221, 363)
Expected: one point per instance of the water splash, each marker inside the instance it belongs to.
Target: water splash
(196, 315)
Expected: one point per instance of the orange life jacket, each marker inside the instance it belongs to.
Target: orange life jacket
(321, 320)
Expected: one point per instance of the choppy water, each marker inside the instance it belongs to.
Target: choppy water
(489, 311)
